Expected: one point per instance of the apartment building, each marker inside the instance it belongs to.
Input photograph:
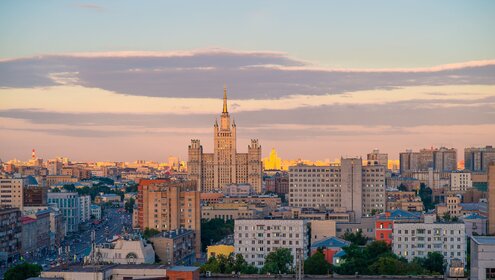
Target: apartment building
(460, 181)
(412, 240)
(68, 203)
(12, 193)
(255, 239)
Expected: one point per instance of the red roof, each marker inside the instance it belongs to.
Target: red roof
(27, 220)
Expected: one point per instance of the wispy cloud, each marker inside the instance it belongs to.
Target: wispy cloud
(90, 6)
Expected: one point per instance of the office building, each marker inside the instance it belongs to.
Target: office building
(169, 205)
(255, 239)
(482, 258)
(68, 203)
(212, 171)
(478, 159)
(350, 187)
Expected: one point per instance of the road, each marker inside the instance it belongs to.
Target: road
(79, 243)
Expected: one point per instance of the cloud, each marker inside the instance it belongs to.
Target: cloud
(90, 6)
(248, 74)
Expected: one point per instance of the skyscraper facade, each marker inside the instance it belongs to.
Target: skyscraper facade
(478, 159)
(225, 166)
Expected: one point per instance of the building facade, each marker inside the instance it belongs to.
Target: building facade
(175, 247)
(169, 205)
(482, 258)
(12, 193)
(478, 159)
(68, 203)
(84, 208)
(225, 165)
(10, 234)
(417, 239)
(124, 251)
(460, 181)
(255, 239)
(442, 159)
(377, 158)
(350, 187)
(491, 199)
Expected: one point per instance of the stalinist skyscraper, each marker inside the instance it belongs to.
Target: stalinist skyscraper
(225, 166)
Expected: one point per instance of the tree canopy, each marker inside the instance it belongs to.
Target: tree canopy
(232, 263)
(215, 230)
(317, 265)
(23, 271)
(356, 238)
(278, 261)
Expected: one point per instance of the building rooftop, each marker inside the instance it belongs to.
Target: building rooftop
(331, 242)
(474, 216)
(484, 240)
(99, 268)
(399, 214)
(183, 268)
(174, 233)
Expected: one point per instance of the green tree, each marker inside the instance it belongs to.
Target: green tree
(356, 237)
(129, 205)
(426, 195)
(376, 249)
(434, 262)
(55, 190)
(354, 261)
(70, 187)
(278, 261)
(150, 232)
(215, 230)
(402, 188)
(317, 265)
(23, 271)
(387, 265)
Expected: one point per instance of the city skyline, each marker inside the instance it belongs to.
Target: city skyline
(424, 76)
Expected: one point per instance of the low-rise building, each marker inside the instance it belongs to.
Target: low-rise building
(366, 226)
(452, 206)
(460, 181)
(110, 197)
(219, 250)
(482, 258)
(475, 224)
(175, 247)
(330, 247)
(238, 190)
(230, 211)
(322, 229)
(95, 211)
(412, 240)
(385, 223)
(124, 250)
(255, 239)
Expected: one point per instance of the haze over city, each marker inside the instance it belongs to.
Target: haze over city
(121, 81)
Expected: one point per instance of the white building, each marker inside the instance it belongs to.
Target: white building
(68, 203)
(96, 211)
(460, 181)
(124, 251)
(350, 187)
(417, 239)
(255, 239)
(482, 257)
(85, 208)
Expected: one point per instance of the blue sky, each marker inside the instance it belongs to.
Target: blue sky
(126, 80)
(358, 34)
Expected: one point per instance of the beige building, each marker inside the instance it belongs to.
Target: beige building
(169, 205)
(451, 206)
(231, 211)
(12, 193)
(460, 181)
(377, 158)
(482, 258)
(491, 199)
(351, 186)
(175, 247)
(212, 171)
(321, 229)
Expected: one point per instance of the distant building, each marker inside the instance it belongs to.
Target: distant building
(237, 190)
(460, 181)
(124, 250)
(85, 208)
(272, 162)
(377, 158)
(475, 224)
(230, 211)
(225, 165)
(442, 159)
(175, 247)
(10, 234)
(169, 205)
(255, 239)
(95, 211)
(12, 191)
(108, 197)
(482, 258)
(478, 159)
(277, 182)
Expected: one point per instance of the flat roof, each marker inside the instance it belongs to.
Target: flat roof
(183, 268)
(484, 240)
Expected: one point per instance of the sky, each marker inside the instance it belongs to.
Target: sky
(129, 80)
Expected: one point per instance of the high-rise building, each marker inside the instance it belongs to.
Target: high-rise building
(491, 199)
(478, 159)
(54, 167)
(225, 166)
(272, 162)
(12, 193)
(349, 187)
(10, 234)
(460, 181)
(442, 159)
(377, 158)
(169, 205)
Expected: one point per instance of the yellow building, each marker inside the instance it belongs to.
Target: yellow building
(217, 250)
(272, 162)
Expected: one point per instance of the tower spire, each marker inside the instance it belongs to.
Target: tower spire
(224, 99)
